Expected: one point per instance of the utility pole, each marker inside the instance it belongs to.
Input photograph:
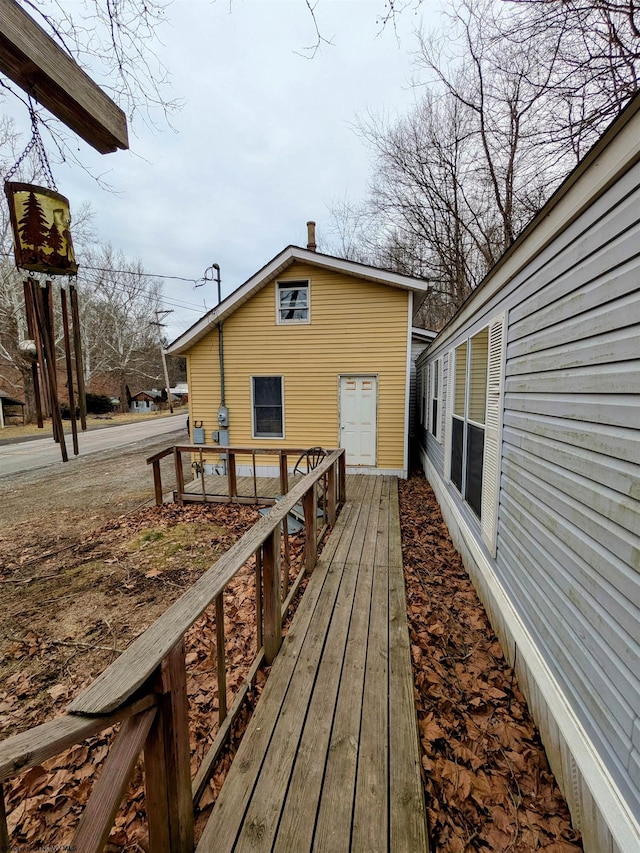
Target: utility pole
(158, 322)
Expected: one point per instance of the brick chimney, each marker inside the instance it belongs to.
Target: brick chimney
(311, 236)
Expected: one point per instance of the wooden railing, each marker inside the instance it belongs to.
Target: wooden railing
(229, 459)
(145, 690)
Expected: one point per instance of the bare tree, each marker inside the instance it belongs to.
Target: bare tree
(118, 305)
(506, 104)
(115, 40)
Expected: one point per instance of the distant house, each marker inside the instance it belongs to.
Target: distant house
(530, 436)
(10, 408)
(181, 392)
(149, 401)
(145, 401)
(311, 350)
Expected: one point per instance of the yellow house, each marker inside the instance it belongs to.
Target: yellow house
(311, 351)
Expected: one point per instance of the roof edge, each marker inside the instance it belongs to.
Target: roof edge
(271, 270)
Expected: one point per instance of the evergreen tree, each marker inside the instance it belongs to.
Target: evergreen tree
(54, 240)
(33, 225)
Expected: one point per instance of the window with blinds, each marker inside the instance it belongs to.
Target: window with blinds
(468, 418)
(436, 397)
(268, 406)
(293, 303)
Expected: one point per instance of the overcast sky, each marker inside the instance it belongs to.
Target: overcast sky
(264, 142)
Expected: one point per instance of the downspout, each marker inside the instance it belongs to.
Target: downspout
(220, 337)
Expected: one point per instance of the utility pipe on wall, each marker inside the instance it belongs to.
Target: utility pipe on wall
(218, 280)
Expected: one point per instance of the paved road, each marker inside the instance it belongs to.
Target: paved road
(28, 455)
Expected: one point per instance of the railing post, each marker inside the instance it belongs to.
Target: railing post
(331, 496)
(177, 458)
(310, 507)
(284, 474)
(157, 482)
(231, 475)
(167, 762)
(222, 667)
(272, 628)
(4, 832)
(342, 478)
(259, 611)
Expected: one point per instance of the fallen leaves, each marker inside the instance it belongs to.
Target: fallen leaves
(44, 804)
(487, 782)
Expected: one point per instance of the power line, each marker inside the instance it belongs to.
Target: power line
(188, 306)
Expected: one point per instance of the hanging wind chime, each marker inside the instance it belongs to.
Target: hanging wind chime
(41, 222)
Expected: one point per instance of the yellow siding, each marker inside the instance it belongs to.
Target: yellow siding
(356, 327)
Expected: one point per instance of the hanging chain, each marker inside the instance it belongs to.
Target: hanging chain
(37, 144)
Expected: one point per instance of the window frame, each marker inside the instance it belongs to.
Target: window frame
(290, 284)
(435, 397)
(466, 422)
(254, 432)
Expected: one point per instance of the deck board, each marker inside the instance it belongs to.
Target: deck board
(314, 769)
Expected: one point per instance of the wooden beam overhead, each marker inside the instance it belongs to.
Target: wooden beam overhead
(31, 58)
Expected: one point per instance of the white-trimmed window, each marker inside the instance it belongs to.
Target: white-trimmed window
(435, 402)
(469, 406)
(473, 422)
(293, 304)
(267, 403)
(423, 396)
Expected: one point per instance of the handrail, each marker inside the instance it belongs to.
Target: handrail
(221, 448)
(139, 661)
(33, 746)
(145, 689)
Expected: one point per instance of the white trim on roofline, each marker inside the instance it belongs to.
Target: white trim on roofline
(275, 268)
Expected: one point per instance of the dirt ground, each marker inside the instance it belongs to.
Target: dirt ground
(87, 562)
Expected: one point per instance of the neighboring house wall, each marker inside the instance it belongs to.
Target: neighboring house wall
(418, 346)
(556, 553)
(357, 327)
(143, 406)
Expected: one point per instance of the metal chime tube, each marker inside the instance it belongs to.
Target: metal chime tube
(67, 356)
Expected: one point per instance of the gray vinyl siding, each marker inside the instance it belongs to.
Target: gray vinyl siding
(417, 347)
(568, 536)
(428, 442)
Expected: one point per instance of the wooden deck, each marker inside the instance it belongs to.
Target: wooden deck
(258, 490)
(330, 760)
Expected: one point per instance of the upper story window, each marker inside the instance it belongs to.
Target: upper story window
(292, 302)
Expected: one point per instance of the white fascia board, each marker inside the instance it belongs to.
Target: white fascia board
(422, 334)
(270, 271)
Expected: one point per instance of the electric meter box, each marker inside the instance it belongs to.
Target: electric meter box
(223, 417)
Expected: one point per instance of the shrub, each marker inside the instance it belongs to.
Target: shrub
(99, 404)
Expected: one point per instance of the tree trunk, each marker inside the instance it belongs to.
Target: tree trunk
(30, 409)
(124, 405)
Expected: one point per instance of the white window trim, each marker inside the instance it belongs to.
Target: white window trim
(448, 415)
(494, 416)
(435, 367)
(425, 417)
(287, 283)
(491, 463)
(253, 411)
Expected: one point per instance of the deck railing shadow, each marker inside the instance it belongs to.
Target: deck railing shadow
(145, 689)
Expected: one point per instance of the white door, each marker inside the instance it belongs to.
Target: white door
(358, 427)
